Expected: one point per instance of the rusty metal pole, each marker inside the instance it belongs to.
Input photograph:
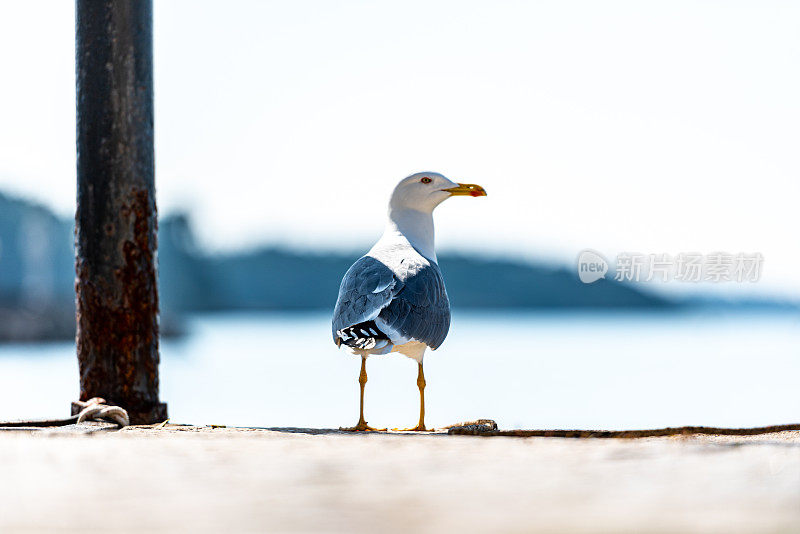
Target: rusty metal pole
(116, 222)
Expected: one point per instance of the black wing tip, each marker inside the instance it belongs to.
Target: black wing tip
(361, 336)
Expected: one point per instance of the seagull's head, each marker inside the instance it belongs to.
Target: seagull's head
(424, 191)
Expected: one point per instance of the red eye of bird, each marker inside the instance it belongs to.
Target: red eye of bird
(426, 180)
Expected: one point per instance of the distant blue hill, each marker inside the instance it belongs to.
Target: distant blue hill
(37, 279)
(279, 279)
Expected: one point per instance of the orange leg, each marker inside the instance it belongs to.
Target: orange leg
(421, 385)
(362, 425)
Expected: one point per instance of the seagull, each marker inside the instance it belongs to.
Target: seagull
(393, 298)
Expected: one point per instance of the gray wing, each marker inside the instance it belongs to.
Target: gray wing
(365, 290)
(416, 307)
(421, 309)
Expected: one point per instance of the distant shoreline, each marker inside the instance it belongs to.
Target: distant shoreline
(37, 282)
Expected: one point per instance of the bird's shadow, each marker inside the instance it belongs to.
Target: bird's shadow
(336, 431)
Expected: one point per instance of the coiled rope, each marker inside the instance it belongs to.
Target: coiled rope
(94, 409)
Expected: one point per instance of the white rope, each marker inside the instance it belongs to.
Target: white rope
(96, 408)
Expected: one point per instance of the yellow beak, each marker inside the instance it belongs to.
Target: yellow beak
(469, 190)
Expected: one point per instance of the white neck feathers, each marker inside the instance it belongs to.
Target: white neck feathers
(414, 226)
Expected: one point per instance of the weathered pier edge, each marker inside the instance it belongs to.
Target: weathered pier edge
(116, 222)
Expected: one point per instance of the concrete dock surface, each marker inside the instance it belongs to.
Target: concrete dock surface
(200, 479)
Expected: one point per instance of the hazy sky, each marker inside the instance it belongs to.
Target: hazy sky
(619, 126)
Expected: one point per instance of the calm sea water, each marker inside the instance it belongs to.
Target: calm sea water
(525, 370)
